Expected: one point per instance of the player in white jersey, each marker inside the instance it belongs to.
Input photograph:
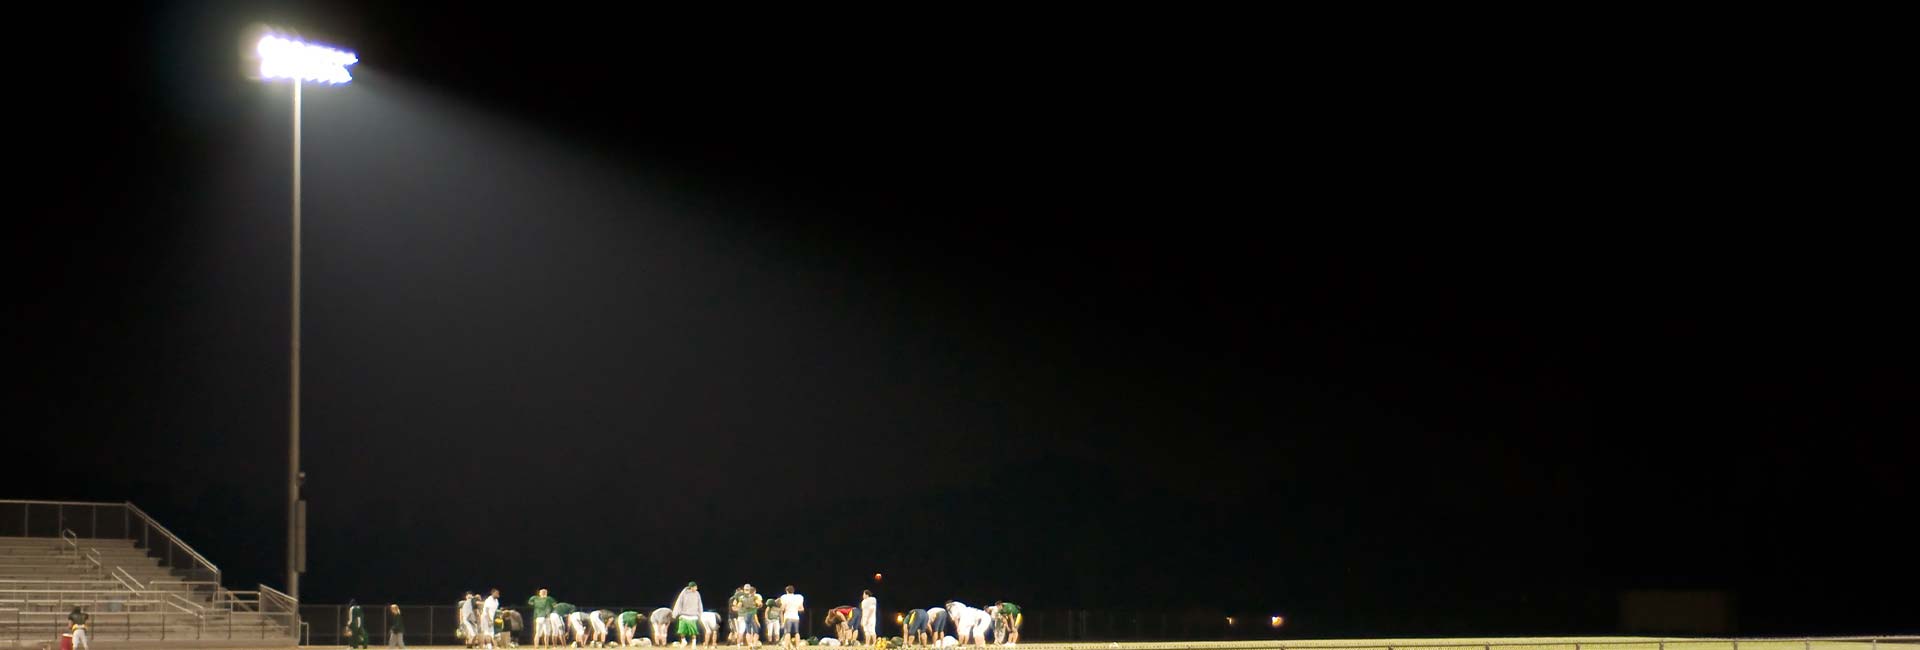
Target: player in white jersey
(791, 604)
(869, 616)
(465, 612)
(710, 626)
(598, 620)
(937, 619)
(966, 620)
(577, 621)
(488, 608)
(659, 620)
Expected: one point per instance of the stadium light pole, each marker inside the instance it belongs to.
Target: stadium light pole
(300, 62)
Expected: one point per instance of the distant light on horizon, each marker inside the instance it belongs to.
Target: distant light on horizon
(288, 58)
(1279, 621)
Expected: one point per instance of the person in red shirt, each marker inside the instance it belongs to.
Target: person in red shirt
(841, 620)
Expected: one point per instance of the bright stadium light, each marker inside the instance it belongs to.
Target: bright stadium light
(285, 57)
(289, 58)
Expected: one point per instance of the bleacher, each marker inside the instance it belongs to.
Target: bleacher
(142, 586)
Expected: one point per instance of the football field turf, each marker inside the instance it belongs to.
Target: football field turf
(1506, 643)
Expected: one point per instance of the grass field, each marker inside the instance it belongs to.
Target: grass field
(1505, 643)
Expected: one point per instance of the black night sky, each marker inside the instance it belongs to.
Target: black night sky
(1091, 311)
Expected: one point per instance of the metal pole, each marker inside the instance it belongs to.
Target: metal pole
(293, 410)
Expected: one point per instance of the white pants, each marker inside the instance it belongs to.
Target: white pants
(866, 625)
(80, 639)
(981, 628)
(540, 626)
(599, 627)
(579, 627)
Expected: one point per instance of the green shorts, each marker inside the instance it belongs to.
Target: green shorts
(687, 627)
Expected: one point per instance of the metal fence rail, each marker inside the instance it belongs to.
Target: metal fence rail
(25, 518)
(26, 627)
(187, 604)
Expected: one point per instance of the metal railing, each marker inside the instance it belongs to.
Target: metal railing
(188, 604)
(185, 606)
(132, 584)
(174, 543)
(281, 609)
(127, 580)
(93, 520)
(22, 626)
